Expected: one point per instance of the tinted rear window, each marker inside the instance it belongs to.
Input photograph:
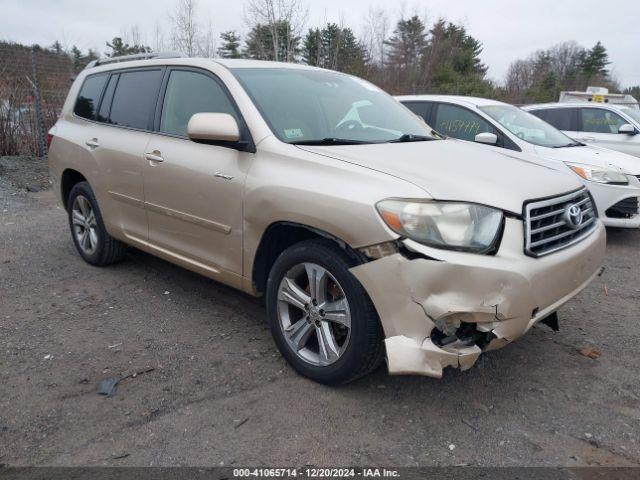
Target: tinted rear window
(561, 118)
(135, 98)
(89, 96)
(422, 109)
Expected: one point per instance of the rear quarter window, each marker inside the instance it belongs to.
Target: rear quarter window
(89, 96)
(561, 118)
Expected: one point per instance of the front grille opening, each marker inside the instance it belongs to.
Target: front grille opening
(550, 227)
(627, 208)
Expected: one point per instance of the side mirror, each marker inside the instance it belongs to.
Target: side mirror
(627, 129)
(487, 138)
(213, 127)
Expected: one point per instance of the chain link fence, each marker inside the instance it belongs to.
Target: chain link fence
(33, 86)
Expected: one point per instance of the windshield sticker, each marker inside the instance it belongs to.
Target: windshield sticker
(293, 132)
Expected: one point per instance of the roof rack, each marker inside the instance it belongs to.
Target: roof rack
(136, 56)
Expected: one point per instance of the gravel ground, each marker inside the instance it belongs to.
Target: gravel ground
(216, 392)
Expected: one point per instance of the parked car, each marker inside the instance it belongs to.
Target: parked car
(605, 125)
(319, 191)
(613, 178)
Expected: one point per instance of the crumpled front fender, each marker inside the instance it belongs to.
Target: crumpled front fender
(503, 295)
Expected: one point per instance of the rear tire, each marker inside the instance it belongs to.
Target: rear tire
(88, 232)
(316, 341)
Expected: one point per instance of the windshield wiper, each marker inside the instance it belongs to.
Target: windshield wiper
(572, 144)
(409, 137)
(330, 141)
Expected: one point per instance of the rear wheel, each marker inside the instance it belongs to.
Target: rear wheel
(89, 235)
(320, 315)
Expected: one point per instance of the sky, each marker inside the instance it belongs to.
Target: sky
(508, 29)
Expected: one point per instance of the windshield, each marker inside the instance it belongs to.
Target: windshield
(633, 113)
(323, 107)
(527, 127)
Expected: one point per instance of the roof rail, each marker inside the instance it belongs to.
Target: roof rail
(129, 58)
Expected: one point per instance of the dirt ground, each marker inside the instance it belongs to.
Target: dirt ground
(219, 393)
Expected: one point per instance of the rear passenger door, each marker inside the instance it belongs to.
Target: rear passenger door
(564, 119)
(194, 191)
(422, 109)
(125, 117)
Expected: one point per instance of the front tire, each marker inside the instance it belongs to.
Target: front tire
(89, 234)
(321, 318)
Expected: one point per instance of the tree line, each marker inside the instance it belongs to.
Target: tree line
(412, 57)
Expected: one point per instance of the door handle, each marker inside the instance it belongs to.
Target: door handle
(589, 139)
(93, 143)
(154, 156)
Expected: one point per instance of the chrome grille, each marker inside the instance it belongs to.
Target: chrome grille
(550, 227)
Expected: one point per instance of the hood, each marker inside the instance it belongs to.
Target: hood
(456, 170)
(601, 157)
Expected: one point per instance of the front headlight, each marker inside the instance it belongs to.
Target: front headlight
(450, 225)
(598, 174)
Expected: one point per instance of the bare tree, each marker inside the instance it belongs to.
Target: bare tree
(273, 14)
(376, 30)
(208, 41)
(132, 35)
(159, 42)
(185, 28)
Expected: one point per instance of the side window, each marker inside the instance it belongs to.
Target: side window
(107, 98)
(189, 93)
(458, 122)
(598, 120)
(561, 118)
(135, 98)
(89, 96)
(422, 109)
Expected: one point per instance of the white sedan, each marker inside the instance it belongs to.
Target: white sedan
(613, 178)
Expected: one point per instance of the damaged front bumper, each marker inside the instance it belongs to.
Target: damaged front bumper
(442, 308)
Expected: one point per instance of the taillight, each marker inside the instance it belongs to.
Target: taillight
(49, 139)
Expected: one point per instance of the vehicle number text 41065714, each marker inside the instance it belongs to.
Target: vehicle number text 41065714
(315, 472)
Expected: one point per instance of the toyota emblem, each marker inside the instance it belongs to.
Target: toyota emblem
(573, 216)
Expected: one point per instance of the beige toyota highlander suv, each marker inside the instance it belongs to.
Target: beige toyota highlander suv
(368, 234)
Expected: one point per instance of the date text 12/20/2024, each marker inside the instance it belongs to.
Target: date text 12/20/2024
(311, 472)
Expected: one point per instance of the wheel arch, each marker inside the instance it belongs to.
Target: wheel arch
(68, 179)
(279, 236)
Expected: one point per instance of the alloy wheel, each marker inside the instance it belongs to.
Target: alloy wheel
(84, 225)
(314, 315)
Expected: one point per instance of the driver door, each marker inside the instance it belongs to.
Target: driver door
(461, 123)
(599, 126)
(194, 191)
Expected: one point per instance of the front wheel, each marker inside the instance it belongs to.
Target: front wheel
(321, 317)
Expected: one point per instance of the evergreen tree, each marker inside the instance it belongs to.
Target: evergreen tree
(594, 61)
(335, 48)
(76, 58)
(407, 44)
(466, 51)
(452, 64)
(405, 55)
(272, 42)
(79, 60)
(57, 48)
(231, 45)
(119, 47)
